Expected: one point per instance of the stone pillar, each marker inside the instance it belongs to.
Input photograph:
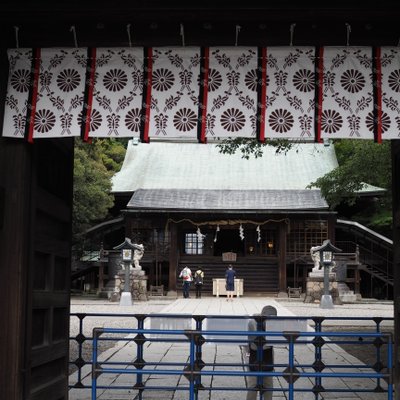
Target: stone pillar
(114, 261)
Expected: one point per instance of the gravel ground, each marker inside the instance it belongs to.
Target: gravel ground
(102, 306)
(369, 309)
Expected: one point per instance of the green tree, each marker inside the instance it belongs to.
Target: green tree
(252, 147)
(360, 162)
(113, 153)
(94, 165)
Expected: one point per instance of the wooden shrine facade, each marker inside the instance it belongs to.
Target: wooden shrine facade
(262, 247)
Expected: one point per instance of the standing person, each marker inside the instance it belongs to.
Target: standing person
(198, 282)
(186, 275)
(230, 276)
(267, 359)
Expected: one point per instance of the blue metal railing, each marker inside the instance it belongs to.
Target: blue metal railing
(291, 371)
(195, 337)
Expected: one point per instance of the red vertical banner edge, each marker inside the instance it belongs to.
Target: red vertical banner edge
(319, 88)
(148, 72)
(263, 94)
(203, 95)
(90, 76)
(378, 94)
(36, 53)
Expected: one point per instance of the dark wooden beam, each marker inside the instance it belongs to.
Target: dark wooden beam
(396, 260)
(14, 246)
(207, 23)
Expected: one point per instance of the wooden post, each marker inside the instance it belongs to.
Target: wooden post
(357, 278)
(282, 260)
(332, 228)
(158, 278)
(101, 277)
(15, 186)
(173, 257)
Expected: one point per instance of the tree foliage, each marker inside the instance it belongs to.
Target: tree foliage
(252, 147)
(360, 162)
(94, 165)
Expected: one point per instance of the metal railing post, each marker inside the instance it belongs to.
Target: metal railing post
(291, 370)
(139, 364)
(79, 362)
(318, 365)
(94, 365)
(198, 349)
(192, 360)
(390, 367)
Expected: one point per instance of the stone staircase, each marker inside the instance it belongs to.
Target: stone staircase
(345, 294)
(377, 273)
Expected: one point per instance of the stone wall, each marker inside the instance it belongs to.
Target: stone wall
(315, 289)
(138, 284)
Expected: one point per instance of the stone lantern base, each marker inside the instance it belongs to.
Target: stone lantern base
(138, 283)
(315, 289)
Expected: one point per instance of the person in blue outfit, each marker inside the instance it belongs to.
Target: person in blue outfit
(230, 276)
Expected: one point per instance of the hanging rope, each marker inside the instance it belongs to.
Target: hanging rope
(292, 26)
(182, 33)
(200, 236)
(225, 222)
(128, 29)
(238, 27)
(348, 30)
(241, 232)
(16, 28)
(216, 234)
(72, 29)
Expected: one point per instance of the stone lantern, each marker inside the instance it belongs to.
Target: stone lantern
(127, 250)
(326, 251)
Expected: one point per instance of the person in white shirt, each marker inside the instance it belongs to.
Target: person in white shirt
(186, 275)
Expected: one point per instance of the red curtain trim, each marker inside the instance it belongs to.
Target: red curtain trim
(92, 71)
(378, 78)
(320, 93)
(203, 121)
(35, 87)
(263, 93)
(148, 95)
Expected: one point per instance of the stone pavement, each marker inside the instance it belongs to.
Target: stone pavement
(231, 353)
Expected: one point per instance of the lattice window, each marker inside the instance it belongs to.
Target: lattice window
(160, 241)
(193, 244)
(306, 234)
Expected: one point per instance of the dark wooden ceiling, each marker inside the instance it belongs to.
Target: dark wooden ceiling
(157, 22)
